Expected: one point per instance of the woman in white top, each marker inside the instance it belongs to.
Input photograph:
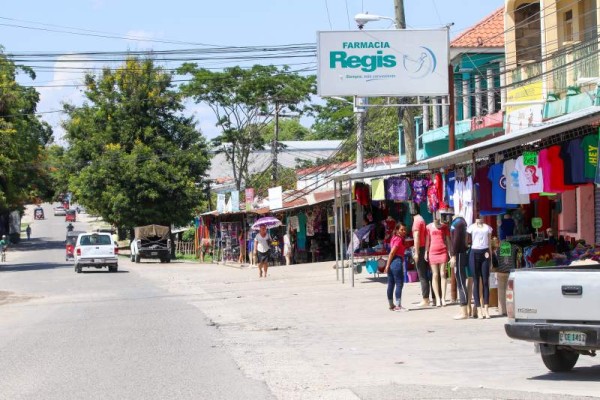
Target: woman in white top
(481, 251)
(262, 244)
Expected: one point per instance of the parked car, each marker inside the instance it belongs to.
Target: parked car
(151, 241)
(59, 211)
(96, 250)
(556, 309)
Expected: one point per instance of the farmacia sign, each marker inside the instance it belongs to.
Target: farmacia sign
(383, 63)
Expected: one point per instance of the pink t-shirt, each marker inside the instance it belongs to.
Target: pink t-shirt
(398, 241)
(420, 226)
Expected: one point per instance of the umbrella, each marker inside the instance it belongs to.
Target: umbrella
(269, 222)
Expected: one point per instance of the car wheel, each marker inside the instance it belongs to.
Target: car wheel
(137, 259)
(132, 258)
(561, 360)
(78, 269)
(168, 260)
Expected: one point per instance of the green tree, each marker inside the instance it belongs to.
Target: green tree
(333, 120)
(244, 102)
(289, 129)
(23, 137)
(134, 158)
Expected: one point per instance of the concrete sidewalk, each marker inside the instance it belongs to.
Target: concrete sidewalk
(310, 336)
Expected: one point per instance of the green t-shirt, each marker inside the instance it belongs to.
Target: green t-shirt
(589, 144)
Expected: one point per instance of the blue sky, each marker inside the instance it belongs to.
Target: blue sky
(142, 25)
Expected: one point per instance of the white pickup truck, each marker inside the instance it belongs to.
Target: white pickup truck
(558, 309)
(96, 250)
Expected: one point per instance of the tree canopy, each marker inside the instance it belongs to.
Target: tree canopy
(244, 102)
(134, 159)
(23, 137)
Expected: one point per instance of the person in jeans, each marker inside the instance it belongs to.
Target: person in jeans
(394, 267)
(419, 231)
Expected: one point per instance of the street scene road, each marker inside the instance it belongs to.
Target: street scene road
(207, 331)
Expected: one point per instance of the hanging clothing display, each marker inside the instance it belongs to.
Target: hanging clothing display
(293, 221)
(361, 193)
(467, 201)
(572, 156)
(435, 194)
(512, 184)
(450, 181)
(397, 189)
(377, 190)
(498, 184)
(420, 187)
(553, 166)
(459, 186)
(589, 145)
(310, 224)
(531, 178)
(301, 236)
(486, 191)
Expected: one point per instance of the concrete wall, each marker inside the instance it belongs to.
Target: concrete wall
(576, 220)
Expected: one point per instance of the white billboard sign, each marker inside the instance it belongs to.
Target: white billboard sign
(383, 63)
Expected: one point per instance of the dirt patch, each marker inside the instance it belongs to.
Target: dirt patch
(10, 297)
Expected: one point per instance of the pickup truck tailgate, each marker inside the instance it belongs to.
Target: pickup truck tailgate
(558, 294)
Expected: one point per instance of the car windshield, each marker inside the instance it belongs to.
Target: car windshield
(95, 240)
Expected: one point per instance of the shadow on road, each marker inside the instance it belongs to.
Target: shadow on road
(38, 244)
(33, 266)
(579, 374)
(103, 271)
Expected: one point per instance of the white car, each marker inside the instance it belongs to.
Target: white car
(96, 250)
(60, 210)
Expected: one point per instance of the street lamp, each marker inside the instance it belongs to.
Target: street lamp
(359, 105)
(363, 18)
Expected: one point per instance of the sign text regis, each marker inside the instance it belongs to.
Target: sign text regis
(367, 63)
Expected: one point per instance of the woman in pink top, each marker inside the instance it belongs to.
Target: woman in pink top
(436, 251)
(395, 267)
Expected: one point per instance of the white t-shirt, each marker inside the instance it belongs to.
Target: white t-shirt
(457, 197)
(261, 243)
(480, 236)
(467, 195)
(531, 179)
(512, 184)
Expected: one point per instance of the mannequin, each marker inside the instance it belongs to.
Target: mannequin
(459, 262)
(436, 251)
(481, 251)
(419, 232)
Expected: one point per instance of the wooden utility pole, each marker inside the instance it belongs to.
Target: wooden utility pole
(274, 145)
(409, 134)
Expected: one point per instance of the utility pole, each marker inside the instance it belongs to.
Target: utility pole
(274, 145)
(409, 134)
(360, 135)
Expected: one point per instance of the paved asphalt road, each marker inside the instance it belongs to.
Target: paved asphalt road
(101, 335)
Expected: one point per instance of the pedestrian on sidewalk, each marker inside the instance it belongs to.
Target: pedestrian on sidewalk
(262, 246)
(28, 231)
(394, 267)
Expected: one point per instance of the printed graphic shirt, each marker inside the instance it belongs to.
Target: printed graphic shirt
(397, 189)
(589, 145)
(450, 181)
(531, 178)
(498, 182)
(512, 184)
(420, 190)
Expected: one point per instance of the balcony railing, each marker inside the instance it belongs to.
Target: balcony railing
(579, 60)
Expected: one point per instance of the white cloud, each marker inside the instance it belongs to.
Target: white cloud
(205, 119)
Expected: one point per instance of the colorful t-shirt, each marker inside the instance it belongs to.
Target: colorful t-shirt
(450, 181)
(420, 190)
(459, 187)
(397, 189)
(467, 201)
(589, 144)
(531, 178)
(399, 242)
(512, 184)
(377, 190)
(498, 182)
(485, 189)
(420, 227)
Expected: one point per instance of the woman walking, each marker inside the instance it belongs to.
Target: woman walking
(262, 244)
(394, 267)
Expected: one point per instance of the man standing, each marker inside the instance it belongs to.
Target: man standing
(28, 231)
(419, 231)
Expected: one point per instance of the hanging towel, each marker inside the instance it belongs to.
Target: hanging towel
(377, 190)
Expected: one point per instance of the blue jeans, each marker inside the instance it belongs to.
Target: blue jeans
(395, 278)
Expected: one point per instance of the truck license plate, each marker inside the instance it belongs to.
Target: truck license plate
(571, 338)
(154, 253)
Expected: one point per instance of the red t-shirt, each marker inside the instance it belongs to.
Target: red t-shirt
(420, 226)
(399, 242)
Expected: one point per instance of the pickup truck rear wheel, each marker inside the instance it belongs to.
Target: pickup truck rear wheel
(561, 361)
(137, 259)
